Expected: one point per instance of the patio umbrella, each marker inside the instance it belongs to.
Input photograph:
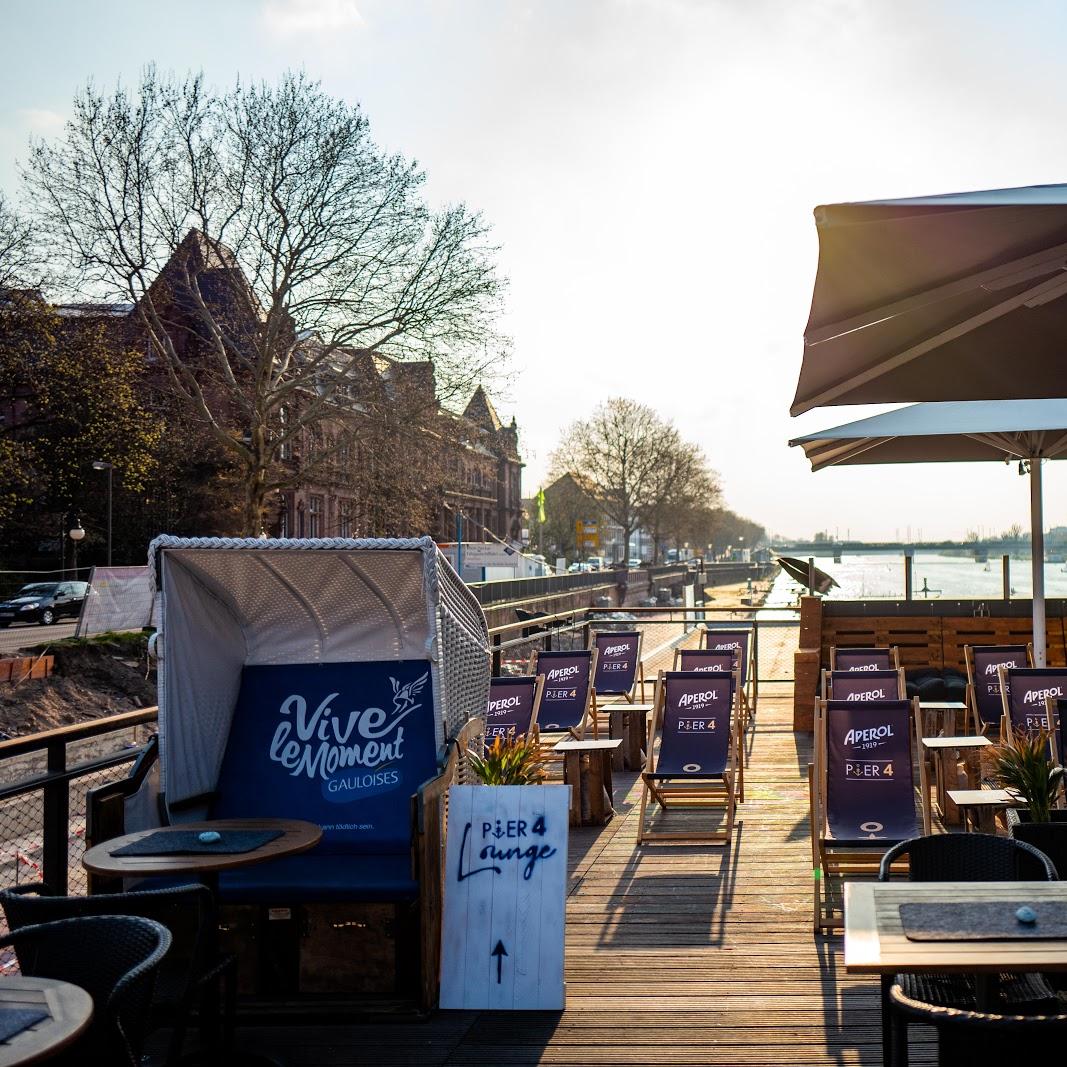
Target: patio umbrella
(810, 577)
(955, 297)
(1024, 430)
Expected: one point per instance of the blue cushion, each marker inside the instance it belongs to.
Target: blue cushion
(344, 745)
(317, 878)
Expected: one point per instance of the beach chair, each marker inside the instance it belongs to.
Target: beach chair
(514, 703)
(568, 698)
(983, 681)
(862, 794)
(864, 659)
(1024, 696)
(619, 675)
(323, 680)
(722, 639)
(695, 764)
(863, 685)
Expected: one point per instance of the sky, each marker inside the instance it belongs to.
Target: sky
(650, 168)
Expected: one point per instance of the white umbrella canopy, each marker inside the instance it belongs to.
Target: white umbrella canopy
(955, 432)
(958, 296)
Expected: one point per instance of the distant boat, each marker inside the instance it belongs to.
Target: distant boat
(797, 569)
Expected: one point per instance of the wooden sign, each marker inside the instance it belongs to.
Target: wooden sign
(505, 885)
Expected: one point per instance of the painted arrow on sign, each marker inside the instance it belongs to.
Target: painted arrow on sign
(500, 952)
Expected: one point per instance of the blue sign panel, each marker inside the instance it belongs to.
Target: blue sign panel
(864, 685)
(696, 724)
(344, 745)
(510, 707)
(616, 664)
(566, 689)
(869, 794)
(863, 659)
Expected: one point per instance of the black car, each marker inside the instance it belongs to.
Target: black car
(43, 602)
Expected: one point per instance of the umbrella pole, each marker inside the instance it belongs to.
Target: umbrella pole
(1037, 552)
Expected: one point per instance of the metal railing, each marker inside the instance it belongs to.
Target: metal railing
(44, 779)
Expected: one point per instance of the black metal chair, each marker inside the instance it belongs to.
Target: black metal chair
(185, 975)
(969, 858)
(965, 1038)
(114, 958)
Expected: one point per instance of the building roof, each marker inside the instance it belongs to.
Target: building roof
(480, 410)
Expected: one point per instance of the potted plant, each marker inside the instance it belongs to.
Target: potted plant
(1024, 766)
(510, 760)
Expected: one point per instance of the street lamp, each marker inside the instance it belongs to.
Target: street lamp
(76, 533)
(103, 465)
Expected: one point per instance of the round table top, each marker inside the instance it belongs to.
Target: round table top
(297, 836)
(70, 1011)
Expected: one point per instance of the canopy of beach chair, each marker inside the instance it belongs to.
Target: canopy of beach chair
(956, 296)
(962, 431)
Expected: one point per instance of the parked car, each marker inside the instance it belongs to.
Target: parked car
(633, 564)
(43, 602)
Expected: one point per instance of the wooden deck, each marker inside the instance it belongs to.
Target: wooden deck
(675, 954)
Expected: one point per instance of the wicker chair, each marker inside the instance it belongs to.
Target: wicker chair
(190, 967)
(971, 858)
(965, 1038)
(114, 958)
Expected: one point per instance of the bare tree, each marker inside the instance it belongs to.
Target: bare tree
(16, 248)
(618, 455)
(267, 245)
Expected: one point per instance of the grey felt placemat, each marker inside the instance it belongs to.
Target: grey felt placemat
(14, 1020)
(188, 843)
(986, 920)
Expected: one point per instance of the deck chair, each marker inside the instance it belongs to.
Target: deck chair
(1024, 696)
(864, 659)
(862, 794)
(514, 703)
(740, 640)
(619, 671)
(983, 680)
(695, 765)
(863, 685)
(705, 659)
(568, 696)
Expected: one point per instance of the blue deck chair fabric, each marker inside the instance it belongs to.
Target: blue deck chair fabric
(617, 662)
(869, 781)
(862, 659)
(344, 745)
(1027, 689)
(986, 661)
(704, 659)
(565, 696)
(722, 640)
(511, 706)
(864, 686)
(695, 735)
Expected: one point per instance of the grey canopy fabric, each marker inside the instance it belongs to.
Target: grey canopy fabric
(955, 296)
(955, 432)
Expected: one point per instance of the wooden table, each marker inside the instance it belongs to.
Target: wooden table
(587, 770)
(627, 723)
(978, 807)
(943, 717)
(875, 942)
(70, 1011)
(946, 752)
(296, 836)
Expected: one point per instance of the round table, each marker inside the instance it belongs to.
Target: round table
(297, 836)
(70, 1011)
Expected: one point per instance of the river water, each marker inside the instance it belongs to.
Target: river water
(880, 576)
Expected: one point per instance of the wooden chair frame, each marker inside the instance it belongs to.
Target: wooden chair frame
(824, 685)
(1006, 734)
(551, 761)
(748, 690)
(971, 696)
(629, 696)
(706, 794)
(893, 650)
(832, 864)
